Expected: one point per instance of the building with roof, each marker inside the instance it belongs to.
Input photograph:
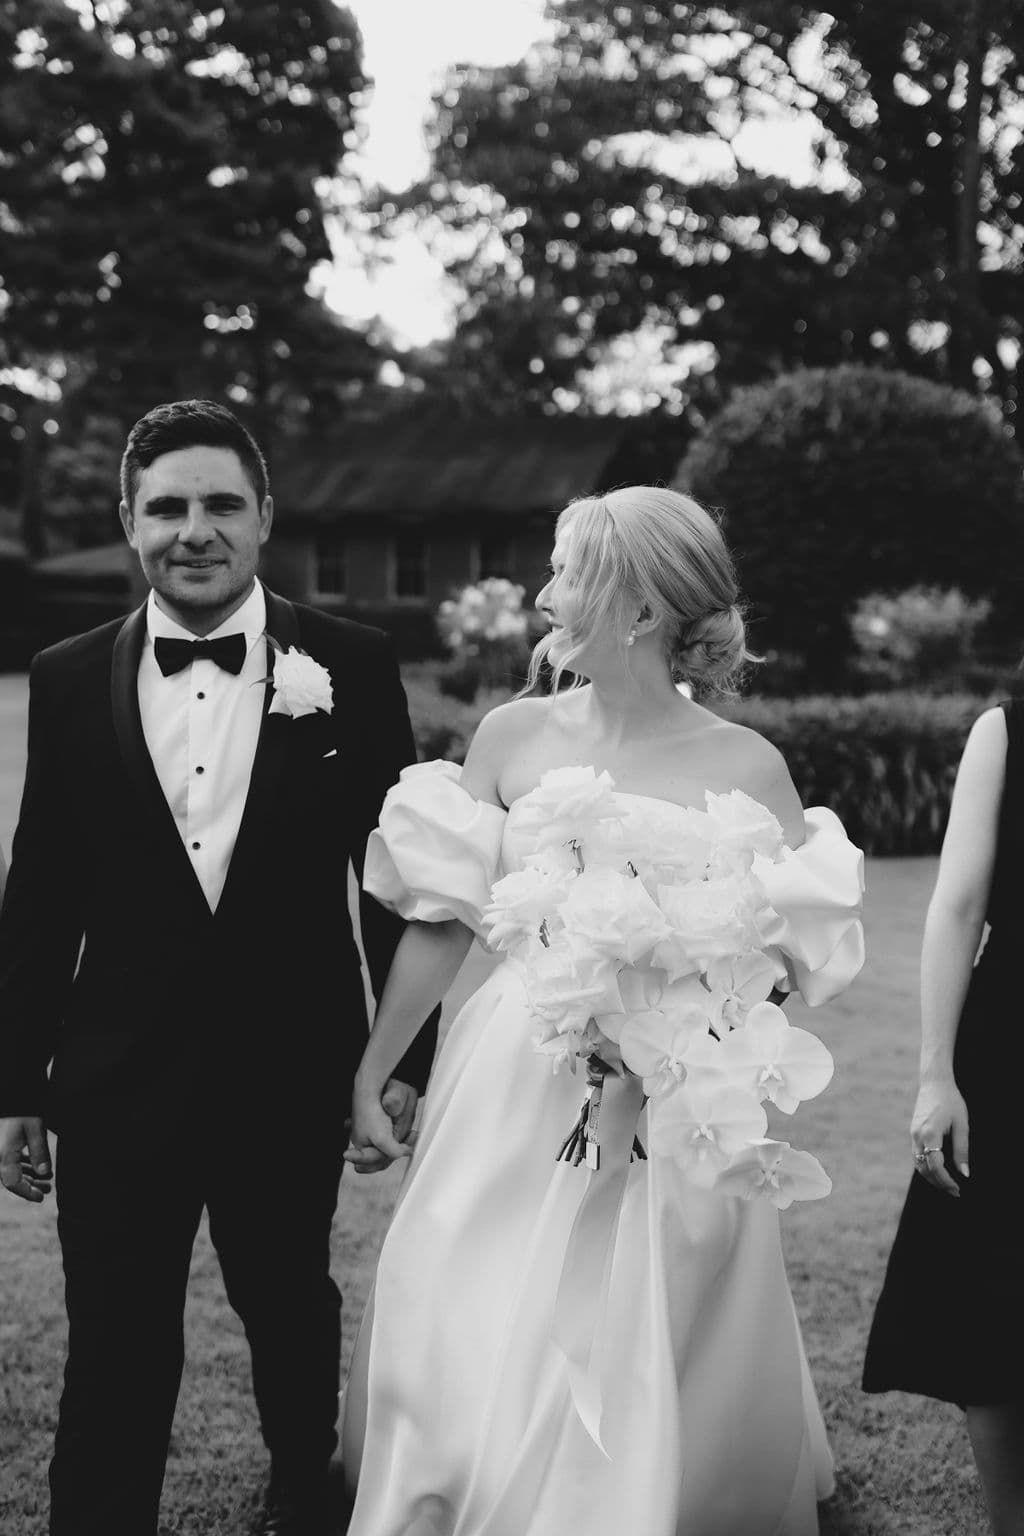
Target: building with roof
(386, 519)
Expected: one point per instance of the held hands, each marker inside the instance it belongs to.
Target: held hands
(939, 1112)
(381, 1125)
(25, 1158)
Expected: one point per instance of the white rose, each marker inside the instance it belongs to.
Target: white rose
(520, 903)
(301, 685)
(710, 919)
(566, 804)
(565, 986)
(671, 847)
(741, 828)
(613, 914)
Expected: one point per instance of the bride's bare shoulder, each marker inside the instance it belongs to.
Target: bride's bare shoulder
(757, 767)
(502, 733)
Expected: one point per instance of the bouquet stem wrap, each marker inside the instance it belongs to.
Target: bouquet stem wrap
(581, 1305)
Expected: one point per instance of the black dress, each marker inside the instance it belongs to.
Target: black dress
(950, 1320)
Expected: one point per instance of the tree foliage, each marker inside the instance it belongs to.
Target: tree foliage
(836, 483)
(607, 183)
(164, 170)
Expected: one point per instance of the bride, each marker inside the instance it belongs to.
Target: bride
(462, 1414)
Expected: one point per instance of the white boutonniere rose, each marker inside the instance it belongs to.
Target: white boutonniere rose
(301, 685)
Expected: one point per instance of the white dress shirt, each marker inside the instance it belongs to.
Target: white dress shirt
(201, 727)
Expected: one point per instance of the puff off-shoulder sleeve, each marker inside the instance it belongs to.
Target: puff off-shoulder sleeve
(435, 853)
(816, 892)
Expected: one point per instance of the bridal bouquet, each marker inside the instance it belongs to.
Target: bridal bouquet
(643, 949)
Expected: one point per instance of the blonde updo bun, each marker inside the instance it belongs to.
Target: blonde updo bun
(712, 651)
(648, 547)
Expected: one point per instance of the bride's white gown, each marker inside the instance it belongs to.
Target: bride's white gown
(711, 1424)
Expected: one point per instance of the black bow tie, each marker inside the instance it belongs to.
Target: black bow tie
(228, 651)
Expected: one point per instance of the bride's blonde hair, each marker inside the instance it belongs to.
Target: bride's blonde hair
(647, 546)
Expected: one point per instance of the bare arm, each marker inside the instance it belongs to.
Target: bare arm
(427, 961)
(956, 917)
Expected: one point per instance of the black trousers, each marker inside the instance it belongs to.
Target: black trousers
(127, 1227)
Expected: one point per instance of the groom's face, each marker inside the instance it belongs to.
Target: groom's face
(197, 528)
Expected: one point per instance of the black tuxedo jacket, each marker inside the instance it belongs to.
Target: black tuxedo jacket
(255, 1009)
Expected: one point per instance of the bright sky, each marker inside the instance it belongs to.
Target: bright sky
(408, 45)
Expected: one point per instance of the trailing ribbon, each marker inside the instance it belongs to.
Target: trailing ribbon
(581, 1304)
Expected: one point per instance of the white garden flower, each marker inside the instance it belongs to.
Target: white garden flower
(491, 610)
(775, 1171)
(772, 1059)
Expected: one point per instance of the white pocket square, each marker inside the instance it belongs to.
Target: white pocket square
(332, 753)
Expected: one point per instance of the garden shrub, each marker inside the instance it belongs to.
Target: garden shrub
(924, 636)
(839, 482)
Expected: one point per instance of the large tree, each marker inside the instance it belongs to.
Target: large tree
(605, 185)
(165, 169)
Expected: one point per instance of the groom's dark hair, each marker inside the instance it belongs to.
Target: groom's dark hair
(189, 424)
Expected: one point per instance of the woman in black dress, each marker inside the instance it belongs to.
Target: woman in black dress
(950, 1320)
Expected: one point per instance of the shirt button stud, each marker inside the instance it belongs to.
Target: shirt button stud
(200, 695)
(196, 845)
(200, 770)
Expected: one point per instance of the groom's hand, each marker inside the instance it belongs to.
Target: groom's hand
(25, 1157)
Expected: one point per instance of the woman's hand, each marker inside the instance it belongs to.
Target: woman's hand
(374, 1143)
(940, 1111)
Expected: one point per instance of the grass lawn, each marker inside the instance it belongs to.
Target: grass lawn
(903, 1464)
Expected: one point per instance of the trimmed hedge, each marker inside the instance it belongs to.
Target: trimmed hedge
(885, 763)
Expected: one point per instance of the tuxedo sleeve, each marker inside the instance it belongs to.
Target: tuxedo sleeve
(40, 921)
(389, 747)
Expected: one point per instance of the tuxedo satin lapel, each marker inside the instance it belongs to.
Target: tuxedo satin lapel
(272, 748)
(124, 701)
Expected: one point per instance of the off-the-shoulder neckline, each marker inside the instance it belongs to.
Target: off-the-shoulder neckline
(622, 794)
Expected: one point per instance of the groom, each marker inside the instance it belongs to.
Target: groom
(192, 822)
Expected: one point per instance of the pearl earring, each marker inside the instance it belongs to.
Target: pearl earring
(630, 638)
